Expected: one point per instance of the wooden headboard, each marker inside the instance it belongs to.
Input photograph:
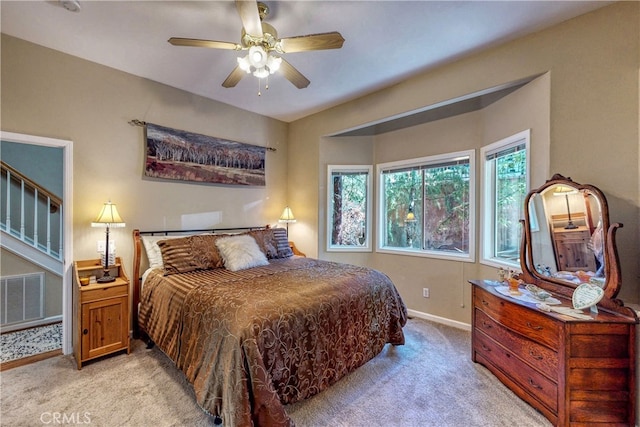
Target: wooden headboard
(138, 257)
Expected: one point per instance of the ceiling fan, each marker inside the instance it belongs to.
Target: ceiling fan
(262, 42)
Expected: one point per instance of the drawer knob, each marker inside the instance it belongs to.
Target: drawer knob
(85, 331)
(535, 355)
(485, 303)
(486, 324)
(534, 385)
(485, 348)
(535, 328)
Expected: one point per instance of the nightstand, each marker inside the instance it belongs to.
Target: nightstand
(572, 249)
(295, 250)
(101, 311)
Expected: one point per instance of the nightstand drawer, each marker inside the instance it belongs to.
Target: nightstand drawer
(107, 292)
(578, 236)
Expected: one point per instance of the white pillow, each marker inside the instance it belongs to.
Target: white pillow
(240, 252)
(154, 255)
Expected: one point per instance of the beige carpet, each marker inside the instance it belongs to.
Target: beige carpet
(430, 381)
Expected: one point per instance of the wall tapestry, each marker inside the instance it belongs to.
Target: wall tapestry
(187, 156)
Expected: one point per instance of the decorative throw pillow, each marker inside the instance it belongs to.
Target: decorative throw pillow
(282, 242)
(205, 252)
(176, 255)
(154, 255)
(240, 252)
(266, 242)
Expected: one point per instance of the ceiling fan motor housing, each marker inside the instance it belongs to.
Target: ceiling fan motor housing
(269, 39)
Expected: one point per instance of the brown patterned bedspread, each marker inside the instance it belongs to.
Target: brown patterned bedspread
(255, 340)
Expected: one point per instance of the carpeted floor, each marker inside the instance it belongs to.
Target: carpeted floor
(29, 342)
(430, 381)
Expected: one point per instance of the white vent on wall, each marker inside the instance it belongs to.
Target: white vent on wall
(21, 298)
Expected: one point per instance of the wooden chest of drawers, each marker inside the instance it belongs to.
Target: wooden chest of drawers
(575, 372)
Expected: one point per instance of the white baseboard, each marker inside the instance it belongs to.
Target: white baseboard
(438, 319)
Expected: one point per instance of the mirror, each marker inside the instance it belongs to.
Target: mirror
(568, 240)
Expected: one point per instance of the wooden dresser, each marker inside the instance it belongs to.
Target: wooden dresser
(575, 372)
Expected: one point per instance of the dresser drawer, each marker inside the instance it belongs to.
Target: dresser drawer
(530, 323)
(106, 292)
(533, 382)
(539, 357)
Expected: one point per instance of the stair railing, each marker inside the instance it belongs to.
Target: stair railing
(46, 208)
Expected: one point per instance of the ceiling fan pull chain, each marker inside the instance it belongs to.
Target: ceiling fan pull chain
(259, 84)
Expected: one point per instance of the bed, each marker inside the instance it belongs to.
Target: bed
(252, 331)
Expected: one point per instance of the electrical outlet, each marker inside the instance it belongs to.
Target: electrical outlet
(425, 292)
(100, 246)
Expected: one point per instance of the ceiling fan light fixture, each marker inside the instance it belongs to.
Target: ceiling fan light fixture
(244, 64)
(261, 73)
(258, 56)
(259, 62)
(273, 63)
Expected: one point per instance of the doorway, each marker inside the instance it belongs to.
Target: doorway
(66, 220)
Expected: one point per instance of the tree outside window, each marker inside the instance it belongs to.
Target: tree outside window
(427, 205)
(349, 207)
(505, 186)
(511, 190)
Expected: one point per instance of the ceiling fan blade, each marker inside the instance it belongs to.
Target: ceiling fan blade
(332, 40)
(248, 11)
(178, 41)
(293, 75)
(233, 78)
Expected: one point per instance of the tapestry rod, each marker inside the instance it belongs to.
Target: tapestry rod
(136, 122)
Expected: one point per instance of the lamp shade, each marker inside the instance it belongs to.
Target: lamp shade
(563, 190)
(108, 217)
(287, 216)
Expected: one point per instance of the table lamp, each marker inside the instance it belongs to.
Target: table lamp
(108, 217)
(562, 190)
(287, 217)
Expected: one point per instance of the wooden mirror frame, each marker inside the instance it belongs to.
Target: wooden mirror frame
(613, 277)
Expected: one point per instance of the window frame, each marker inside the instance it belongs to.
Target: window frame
(427, 161)
(368, 170)
(488, 199)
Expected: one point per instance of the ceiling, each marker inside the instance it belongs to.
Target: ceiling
(385, 41)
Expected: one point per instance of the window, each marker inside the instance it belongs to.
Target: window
(505, 186)
(427, 206)
(349, 208)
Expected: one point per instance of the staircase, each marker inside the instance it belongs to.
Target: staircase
(30, 227)
(30, 220)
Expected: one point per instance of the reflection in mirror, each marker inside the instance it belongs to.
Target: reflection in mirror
(567, 240)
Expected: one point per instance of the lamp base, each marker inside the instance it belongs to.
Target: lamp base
(105, 279)
(570, 226)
